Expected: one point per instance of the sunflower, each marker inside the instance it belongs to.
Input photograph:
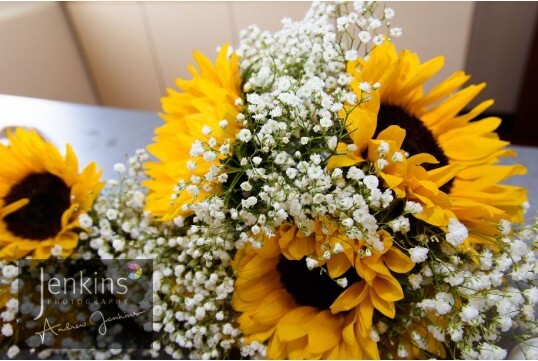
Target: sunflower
(305, 313)
(42, 195)
(459, 174)
(204, 113)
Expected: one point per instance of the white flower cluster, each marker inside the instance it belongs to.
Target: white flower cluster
(118, 219)
(296, 85)
(9, 290)
(478, 301)
(191, 281)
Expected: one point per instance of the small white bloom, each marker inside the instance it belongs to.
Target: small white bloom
(413, 207)
(120, 167)
(468, 313)
(311, 263)
(355, 173)
(383, 148)
(13, 351)
(455, 332)
(397, 157)
(486, 260)
(374, 336)
(224, 149)
(223, 124)
(351, 55)
(244, 135)
(371, 182)
(118, 244)
(326, 122)
(504, 227)
(7, 330)
(400, 224)
(291, 172)
(10, 271)
(281, 158)
(491, 352)
(256, 160)
(222, 178)
(443, 303)
(402, 351)
(373, 23)
(437, 332)
(389, 13)
(192, 189)
(111, 214)
(56, 250)
(200, 313)
(209, 156)
(206, 130)
(332, 142)
(366, 87)
(396, 32)
(85, 221)
(531, 294)
(342, 282)
(348, 222)
(415, 280)
(255, 229)
(251, 201)
(315, 172)
(246, 186)
(191, 165)
(338, 248)
(381, 163)
(365, 36)
(378, 39)
(418, 254)
(457, 232)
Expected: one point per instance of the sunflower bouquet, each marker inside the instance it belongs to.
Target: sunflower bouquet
(307, 199)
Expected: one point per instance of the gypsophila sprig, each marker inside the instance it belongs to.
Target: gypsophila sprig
(192, 277)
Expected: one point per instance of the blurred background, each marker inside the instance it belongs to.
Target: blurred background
(125, 54)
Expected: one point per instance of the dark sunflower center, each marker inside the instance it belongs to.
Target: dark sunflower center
(41, 218)
(419, 139)
(310, 287)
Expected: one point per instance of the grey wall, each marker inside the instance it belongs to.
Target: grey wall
(500, 43)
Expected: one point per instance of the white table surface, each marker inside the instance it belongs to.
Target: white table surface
(107, 135)
(101, 134)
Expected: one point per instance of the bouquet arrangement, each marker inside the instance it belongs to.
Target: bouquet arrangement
(307, 199)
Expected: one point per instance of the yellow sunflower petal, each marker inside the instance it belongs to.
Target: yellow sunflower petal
(295, 323)
(351, 297)
(13, 207)
(298, 349)
(206, 100)
(385, 307)
(276, 350)
(324, 332)
(388, 288)
(397, 261)
(337, 265)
